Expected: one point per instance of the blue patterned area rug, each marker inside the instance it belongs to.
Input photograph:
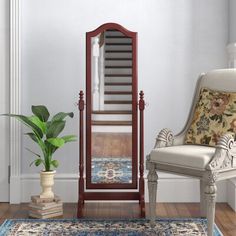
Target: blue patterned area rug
(111, 170)
(93, 227)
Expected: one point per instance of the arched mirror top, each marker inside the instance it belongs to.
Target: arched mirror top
(111, 26)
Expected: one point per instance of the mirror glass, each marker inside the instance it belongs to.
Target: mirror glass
(111, 108)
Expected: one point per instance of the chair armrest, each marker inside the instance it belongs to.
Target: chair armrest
(165, 138)
(224, 155)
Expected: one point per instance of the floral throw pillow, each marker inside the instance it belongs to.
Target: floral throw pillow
(215, 115)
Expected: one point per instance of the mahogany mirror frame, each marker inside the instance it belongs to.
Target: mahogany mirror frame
(134, 190)
(133, 36)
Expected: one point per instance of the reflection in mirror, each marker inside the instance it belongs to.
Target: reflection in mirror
(111, 74)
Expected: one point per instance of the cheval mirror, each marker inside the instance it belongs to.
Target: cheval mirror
(111, 157)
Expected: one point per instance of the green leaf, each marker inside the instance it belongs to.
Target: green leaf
(62, 115)
(41, 112)
(26, 121)
(55, 163)
(32, 152)
(69, 138)
(39, 123)
(57, 142)
(55, 128)
(48, 123)
(50, 148)
(38, 162)
(32, 163)
(42, 146)
(32, 136)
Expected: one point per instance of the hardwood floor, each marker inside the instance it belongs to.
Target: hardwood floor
(225, 216)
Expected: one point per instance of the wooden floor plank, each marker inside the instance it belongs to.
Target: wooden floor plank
(221, 220)
(160, 210)
(194, 209)
(171, 210)
(69, 210)
(230, 233)
(22, 212)
(182, 210)
(11, 211)
(231, 215)
(3, 208)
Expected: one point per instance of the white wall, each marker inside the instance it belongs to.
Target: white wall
(232, 21)
(4, 98)
(177, 40)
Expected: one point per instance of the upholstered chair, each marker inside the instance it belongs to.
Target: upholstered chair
(205, 149)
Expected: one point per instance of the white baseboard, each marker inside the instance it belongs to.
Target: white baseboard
(171, 188)
(15, 190)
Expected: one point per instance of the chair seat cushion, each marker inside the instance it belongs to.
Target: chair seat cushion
(190, 156)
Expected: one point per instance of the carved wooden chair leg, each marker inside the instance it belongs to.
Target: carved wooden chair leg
(202, 199)
(210, 193)
(152, 188)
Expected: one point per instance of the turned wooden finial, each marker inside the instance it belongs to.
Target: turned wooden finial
(141, 94)
(141, 100)
(81, 95)
(81, 100)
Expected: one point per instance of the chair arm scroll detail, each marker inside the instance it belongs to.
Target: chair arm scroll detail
(223, 156)
(164, 139)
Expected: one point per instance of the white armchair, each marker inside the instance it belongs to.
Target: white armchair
(207, 163)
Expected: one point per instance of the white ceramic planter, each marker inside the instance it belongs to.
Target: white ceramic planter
(46, 182)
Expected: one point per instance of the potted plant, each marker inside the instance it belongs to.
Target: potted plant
(45, 133)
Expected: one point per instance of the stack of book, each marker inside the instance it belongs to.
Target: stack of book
(44, 208)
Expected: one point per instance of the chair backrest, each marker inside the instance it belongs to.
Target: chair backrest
(221, 80)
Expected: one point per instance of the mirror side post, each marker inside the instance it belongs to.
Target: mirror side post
(141, 153)
(81, 155)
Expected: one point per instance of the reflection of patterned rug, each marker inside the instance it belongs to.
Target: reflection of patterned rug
(92, 227)
(111, 170)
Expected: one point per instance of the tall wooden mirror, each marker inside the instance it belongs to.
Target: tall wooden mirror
(111, 155)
